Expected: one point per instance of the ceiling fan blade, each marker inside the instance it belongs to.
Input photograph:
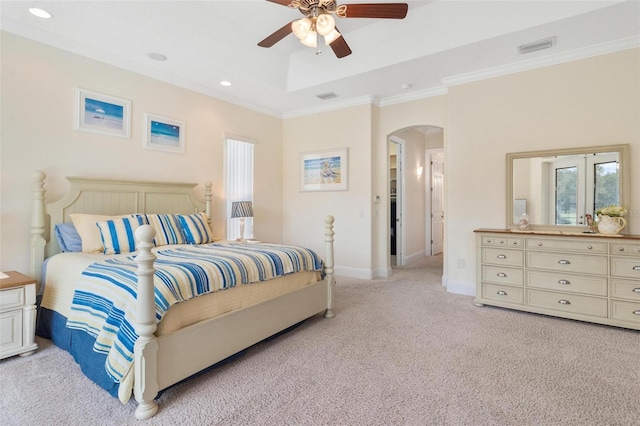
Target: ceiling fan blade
(377, 10)
(276, 36)
(340, 47)
(282, 2)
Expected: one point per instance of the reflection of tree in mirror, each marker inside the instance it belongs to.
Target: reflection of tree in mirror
(606, 191)
(566, 195)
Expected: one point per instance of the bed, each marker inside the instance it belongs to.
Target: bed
(176, 306)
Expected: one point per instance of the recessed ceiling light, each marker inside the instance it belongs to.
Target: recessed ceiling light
(40, 13)
(406, 86)
(157, 56)
(225, 83)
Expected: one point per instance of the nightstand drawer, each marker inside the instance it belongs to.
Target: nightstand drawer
(10, 330)
(11, 298)
(560, 281)
(626, 267)
(570, 303)
(625, 311)
(568, 262)
(501, 275)
(502, 293)
(499, 256)
(623, 289)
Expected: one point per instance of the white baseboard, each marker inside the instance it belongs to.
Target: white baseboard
(344, 271)
(460, 287)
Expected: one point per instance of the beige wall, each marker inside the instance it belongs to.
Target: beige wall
(304, 211)
(38, 107)
(589, 102)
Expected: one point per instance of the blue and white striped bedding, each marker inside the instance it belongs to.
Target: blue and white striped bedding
(104, 301)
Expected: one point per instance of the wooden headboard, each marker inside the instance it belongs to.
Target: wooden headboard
(108, 197)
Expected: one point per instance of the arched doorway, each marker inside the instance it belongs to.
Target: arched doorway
(411, 192)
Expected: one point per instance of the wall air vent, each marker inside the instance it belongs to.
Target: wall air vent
(537, 45)
(325, 96)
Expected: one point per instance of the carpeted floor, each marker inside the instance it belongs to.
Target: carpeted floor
(400, 351)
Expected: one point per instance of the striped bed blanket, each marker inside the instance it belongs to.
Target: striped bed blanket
(104, 303)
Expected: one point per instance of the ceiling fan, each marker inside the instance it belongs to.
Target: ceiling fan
(318, 21)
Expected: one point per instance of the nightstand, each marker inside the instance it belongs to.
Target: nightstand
(17, 315)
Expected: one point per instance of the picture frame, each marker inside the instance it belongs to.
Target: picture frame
(103, 114)
(325, 170)
(164, 134)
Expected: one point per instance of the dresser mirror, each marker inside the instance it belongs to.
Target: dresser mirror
(557, 189)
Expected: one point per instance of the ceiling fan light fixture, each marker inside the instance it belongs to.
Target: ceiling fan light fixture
(331, 37)
(311, 40)
(325, 23)
(301, 27)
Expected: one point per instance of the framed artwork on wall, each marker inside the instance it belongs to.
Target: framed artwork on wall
(104, 114)
(324, 170)
(164, 134)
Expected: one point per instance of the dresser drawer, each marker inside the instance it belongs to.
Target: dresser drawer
(626, 267)
(498, 241)
(568, 262)
(574, 245)
(560, 281)
(622, 289)
(499, 256)
(502, 293)
(501, 275)
(11, 298)
(569, 303)
(625, 249)
(625, 311)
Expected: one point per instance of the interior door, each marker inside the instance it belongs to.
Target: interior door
(437, 204)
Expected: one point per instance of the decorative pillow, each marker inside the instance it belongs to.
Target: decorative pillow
(196, 228)
(167, 227)
(85, 224)
(118, 234)
(68, 238)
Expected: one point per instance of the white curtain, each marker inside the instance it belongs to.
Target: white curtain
(238, 178)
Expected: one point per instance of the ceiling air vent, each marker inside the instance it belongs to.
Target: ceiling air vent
(325, 96)
(537, 45)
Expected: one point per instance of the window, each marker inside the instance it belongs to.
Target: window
(238, 181)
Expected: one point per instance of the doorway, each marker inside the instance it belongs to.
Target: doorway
(396, 180)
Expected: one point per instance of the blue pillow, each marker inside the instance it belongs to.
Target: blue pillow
(195, 228)
(68, 237)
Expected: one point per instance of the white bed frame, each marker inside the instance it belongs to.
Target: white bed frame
(199, 345)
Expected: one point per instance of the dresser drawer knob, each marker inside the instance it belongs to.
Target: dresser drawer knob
(564, 302)
(620, 248)
(636, 268)
(636, 290)
(501, 293)
(564, 282)
(501, 256)
(539, 244)
(501, 274)
(636, 312)
(564, 262)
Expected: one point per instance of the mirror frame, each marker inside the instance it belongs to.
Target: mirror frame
(624, 171)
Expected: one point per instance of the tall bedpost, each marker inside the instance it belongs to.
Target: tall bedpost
(145, 386)
(207, 200)
(38, 222)
(328, 263)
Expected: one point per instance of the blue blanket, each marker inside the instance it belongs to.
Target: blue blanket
(104, 301)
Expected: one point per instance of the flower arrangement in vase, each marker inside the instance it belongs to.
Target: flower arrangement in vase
(611, 219)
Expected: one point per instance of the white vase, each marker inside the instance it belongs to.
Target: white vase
(610, 225)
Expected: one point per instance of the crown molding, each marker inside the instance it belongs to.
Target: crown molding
(413, 96)
(554, 59)
(362, 100)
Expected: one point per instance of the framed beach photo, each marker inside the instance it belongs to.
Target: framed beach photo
(164, 134)
(104, 114)
(324, 170)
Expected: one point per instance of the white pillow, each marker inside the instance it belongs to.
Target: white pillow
(89, 233)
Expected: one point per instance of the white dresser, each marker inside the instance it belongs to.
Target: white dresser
(583, 277)
(17, 315)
